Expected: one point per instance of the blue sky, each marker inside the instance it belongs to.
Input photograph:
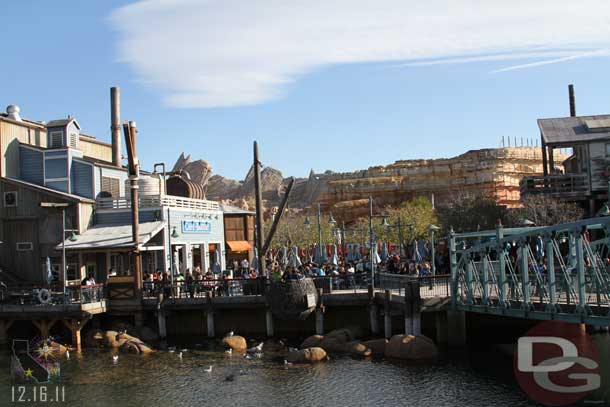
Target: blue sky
(324, 93)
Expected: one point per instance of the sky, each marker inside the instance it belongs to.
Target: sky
(321, 84)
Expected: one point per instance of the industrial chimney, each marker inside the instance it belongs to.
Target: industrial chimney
(572, 100)
(13, 113)
(115, 125)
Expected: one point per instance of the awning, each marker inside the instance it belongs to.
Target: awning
(112, 236)
(239, 245)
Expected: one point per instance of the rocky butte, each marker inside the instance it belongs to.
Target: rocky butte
(491, 172)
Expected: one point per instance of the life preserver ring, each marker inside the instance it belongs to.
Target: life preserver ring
(44, 296)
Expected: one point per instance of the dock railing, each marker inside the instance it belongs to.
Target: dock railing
(558, 186)
(51, 294)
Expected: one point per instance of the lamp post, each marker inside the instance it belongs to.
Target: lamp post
(432, 228)
(399, 225)
(62, 207)
(307, 223)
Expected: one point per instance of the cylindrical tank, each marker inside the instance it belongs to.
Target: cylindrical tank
(181, 186)
(149, 185)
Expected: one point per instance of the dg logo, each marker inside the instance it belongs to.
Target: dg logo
(557, 364)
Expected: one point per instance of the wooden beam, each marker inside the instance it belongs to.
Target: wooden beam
(75, 326)
(5, 324)
(44, 326)
(278, 216)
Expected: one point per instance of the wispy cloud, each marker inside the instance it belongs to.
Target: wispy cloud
(206, 53)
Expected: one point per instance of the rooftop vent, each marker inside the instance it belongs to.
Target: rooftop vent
(598, 125)
(13, 112)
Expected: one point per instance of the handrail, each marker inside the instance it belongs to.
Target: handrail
(157, 201)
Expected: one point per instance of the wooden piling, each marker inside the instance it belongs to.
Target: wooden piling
(387, 314)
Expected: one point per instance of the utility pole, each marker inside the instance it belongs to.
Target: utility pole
(129, 129)
(258, 195)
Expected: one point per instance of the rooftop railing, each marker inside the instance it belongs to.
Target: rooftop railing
(558, 186)
(157, 201)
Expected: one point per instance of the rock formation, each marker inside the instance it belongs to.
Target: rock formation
(197, 171)
(493, 172)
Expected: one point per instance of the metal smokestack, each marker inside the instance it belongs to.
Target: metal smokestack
(572, 100)
(115, 125)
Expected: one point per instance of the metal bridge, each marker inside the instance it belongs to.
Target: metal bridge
(558, 272)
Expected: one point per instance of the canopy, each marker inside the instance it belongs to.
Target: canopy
(239, 245)
(112, 236)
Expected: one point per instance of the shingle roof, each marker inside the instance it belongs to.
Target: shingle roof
(229, 209)
(49, 190)
(113, 236)
(571, 130)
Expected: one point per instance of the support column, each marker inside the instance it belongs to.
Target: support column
(210, 322)
(5, 324)
(408, 316)
(456, 328)
(162, 323)
(44, 326)
(269, 323)
(387, 314)
(75, 326)
(320, 314)
(373, 312)
(440, 322)
(416, 320)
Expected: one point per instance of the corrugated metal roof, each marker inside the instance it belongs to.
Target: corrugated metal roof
(571, 130)
(112, 236)
(229, 209)
(49, 190)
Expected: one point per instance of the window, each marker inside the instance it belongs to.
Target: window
(10, 199)
(56, 139)
(24, 246)
(73, 140)
(111, 186)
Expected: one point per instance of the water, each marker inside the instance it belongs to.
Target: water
(458, 379)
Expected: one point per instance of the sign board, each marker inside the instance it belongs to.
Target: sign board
(196, 226)
(311, 300)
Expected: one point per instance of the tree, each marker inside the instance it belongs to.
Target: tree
(467, 213)
(545, 211)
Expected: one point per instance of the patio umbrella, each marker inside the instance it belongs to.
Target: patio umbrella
(295, 261)
(376, 255)
(216, 268)
(384, 251)
(284, 256)
(48, 272)
(254, 263)
(357, 255)
(416, 255)
(334, 260)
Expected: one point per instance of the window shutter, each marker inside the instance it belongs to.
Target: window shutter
(111, 186)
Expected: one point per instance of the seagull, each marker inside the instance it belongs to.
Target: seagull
(183, 350)
(230, 334)
(256, 349)
(291, 349)
(208, 369)
(229, 351)
(67, 354)
(180, 355)
(171, 349)
(287, 363)
(115, 359)
(248, 357)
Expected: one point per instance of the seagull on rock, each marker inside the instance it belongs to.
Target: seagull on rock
(208, 369)
(230, 334)
(115, 359)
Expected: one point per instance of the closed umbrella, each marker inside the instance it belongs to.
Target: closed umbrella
(334, 260)
(384, 251)
(376, 257)
(416, 255)
(48, 272)
(349, 255)
(217, 267)
(357, 254)
(284, 256)
(295, 261)
(254, 263)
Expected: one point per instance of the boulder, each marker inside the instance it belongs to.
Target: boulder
(235, 342)
(356, 348)
(130, 347)
(271, 345)
(309, 355)
(342, 335)
(377, 346)
(110, 339)
(411, 347)
(332, 345)
(144, 348)
(128, 338)
(313, 340)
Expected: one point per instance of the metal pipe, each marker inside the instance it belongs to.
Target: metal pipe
(277, 218)
(572, 100)
(115, 125)
(371, 242)
(320, 257)
(162, 165)
(258, 194)
(63, 251)
(171, 253)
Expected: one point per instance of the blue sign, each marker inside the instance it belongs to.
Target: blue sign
(196, 226)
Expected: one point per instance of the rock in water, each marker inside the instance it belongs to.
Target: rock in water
(332, 345)
(377, 346)
(411, 347)
(309, 355)
(235, 342)
(293, 299)
(342, 335)
(356, 348)
(313, 340)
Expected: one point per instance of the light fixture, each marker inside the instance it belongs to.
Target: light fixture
(384, 222)
(73, 237)
(175, 233)
(331, 220)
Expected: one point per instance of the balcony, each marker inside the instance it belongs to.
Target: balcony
(570, 186)
(156, 201)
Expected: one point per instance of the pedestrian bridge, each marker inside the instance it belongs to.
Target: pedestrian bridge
(557, 272)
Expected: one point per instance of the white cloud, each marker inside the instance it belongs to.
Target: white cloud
(206, 53)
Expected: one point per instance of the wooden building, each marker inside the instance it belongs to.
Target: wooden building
(239, 233)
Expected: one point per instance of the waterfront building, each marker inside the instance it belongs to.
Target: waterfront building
(56, 162)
